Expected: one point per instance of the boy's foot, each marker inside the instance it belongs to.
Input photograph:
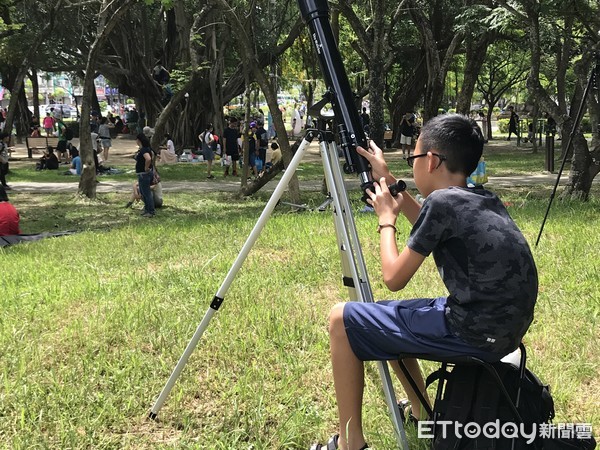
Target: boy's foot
(147, 214)
(129, 203)
(406, 413)
(332, 444)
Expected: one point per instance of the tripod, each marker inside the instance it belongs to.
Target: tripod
(353, 266)
(591, 84)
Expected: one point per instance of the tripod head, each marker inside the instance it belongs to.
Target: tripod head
(339, 93)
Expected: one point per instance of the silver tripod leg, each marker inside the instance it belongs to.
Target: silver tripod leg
(352, 264)
(354, 267)
(237, 264)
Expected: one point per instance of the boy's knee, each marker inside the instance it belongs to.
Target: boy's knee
(336, 318)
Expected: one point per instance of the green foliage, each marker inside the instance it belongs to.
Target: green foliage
(503, 125)
(240, 113)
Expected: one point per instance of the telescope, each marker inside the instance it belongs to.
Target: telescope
(339, 93)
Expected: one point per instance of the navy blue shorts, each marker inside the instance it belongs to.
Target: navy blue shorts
(383, 330)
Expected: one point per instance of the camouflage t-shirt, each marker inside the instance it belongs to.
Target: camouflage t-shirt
(485, 263)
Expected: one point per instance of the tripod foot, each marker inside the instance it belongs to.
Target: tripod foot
(153, 416)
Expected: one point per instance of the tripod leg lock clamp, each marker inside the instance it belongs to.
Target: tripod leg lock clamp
(216, 303)
(348, 282)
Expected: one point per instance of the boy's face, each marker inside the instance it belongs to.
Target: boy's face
(423, 175)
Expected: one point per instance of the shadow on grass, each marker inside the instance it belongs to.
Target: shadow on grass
(59, 212)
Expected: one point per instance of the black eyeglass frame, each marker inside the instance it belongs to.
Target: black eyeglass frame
(411, 159)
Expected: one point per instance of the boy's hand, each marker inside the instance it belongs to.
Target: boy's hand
(379, 167)
(386, 206)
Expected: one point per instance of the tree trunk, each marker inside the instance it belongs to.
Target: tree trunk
(35, 87)
(376, 103)
(14, 101)
(476, 49)
(107, 20)
(436, 68)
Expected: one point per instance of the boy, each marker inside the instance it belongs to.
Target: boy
(481, 255)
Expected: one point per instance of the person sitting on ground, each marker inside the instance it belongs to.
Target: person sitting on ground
(76, 165)
(9, 216)
(168, 155)
(119, 125)
(482, 257)
(157, 194)
(36, 131)
(48, 160)
(276, 153)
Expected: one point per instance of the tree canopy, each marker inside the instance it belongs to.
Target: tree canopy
(413, 55)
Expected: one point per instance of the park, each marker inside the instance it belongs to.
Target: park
(97, 312)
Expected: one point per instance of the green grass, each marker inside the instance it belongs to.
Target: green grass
(93, 324)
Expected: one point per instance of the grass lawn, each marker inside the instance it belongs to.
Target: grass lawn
(93, 324)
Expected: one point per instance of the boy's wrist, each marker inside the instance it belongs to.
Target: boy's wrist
(387, 218)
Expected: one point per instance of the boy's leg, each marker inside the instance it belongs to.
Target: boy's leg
(348, 377)
(415, 372)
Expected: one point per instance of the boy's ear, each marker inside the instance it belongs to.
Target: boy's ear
(431, 162)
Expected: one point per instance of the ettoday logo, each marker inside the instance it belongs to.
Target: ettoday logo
(509, 430)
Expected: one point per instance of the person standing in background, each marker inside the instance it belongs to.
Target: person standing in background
(406, 133)
(232, 147)
(208, 143)
(104, 135)
(145, 174)
(4, 138)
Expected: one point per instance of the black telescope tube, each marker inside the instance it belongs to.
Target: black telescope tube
(316, 15)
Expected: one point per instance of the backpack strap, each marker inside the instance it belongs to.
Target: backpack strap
(486, 405)
(456, 404)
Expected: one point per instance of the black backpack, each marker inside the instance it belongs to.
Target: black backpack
(471, 395)
(68, 133)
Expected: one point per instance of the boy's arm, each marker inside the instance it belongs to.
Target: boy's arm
(379, 168)
(397, 269)
(410, 208)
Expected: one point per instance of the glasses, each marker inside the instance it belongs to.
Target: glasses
(411, 159)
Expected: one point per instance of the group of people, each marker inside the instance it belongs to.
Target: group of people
(50, 161)
(230, 147)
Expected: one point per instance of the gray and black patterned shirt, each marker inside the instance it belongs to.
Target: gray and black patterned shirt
(485, 263)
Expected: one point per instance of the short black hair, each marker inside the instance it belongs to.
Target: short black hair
(456, 136)
(143, 140)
